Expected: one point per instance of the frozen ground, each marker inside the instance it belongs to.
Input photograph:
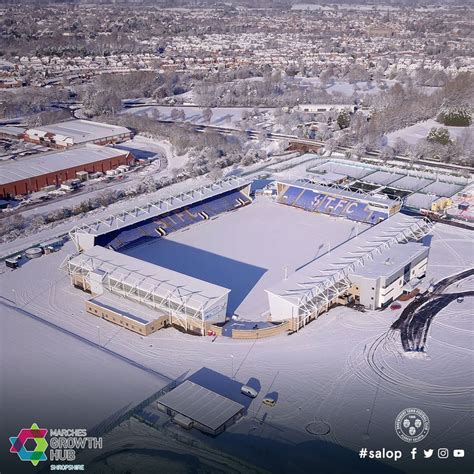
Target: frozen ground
(420, 130)
(247, 250)
(346, 369)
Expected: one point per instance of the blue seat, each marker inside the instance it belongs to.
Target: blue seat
(290, 195)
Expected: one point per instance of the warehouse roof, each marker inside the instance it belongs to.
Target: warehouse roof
(51, 162)
(160, 281)
(79, 131)
(201, 405)
(394, 260)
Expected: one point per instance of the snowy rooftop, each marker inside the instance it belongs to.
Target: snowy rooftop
(421, 201)
(80, 131)
(339, 191)
(200, 404)
(301, 283)
(388, 263)
(44, 163)
(346, 169)
(126, 307)
(161, 281)
(411, 183)
(382, 177)
(155, 209)
(442, 188)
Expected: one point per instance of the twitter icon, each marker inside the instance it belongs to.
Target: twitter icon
(427, 453)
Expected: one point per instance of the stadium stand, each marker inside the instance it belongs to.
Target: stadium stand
(347, 204)
(179, 219)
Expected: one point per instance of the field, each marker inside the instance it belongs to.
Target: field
(247, 250)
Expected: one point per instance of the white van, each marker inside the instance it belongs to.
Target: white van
(248, 391)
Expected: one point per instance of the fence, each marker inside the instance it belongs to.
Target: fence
(260, 333)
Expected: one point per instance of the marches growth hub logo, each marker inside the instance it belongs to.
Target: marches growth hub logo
(36, 434)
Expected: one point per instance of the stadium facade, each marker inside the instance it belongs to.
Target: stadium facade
(372, 268)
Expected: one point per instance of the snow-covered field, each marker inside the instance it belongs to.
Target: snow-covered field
(247, 250)
(420, 130)
(345, 369)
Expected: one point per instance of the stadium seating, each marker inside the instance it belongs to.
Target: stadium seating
(290, 195)
(328, 204)
(181, 218)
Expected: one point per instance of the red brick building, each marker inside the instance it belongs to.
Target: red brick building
(29, 175)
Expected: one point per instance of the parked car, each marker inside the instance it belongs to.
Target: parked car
(269, 401)
(248, 391)
(460, 299)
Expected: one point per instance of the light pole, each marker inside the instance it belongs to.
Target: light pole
(232, 359)
(14, 295)
(98, 333)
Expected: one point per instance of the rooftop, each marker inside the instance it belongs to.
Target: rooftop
(44, 163)
(79, 131)
(390, 262)
(127, 307)
(201, 405)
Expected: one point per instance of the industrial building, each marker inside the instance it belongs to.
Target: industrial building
(32, 174)
(193, 406)
(76, 132)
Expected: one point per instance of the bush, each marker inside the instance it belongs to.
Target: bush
(439, 135)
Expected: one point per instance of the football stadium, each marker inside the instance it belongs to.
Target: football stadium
(224, 259)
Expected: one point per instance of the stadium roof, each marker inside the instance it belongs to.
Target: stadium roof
(305, 283)
(160, 281)
(51, 162)
(79, 131)
(388, 263)
(201, 405)
(155, 209)
(338, 191)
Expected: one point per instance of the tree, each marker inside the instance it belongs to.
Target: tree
(460, 116)
(439, 135)
(343, 119)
